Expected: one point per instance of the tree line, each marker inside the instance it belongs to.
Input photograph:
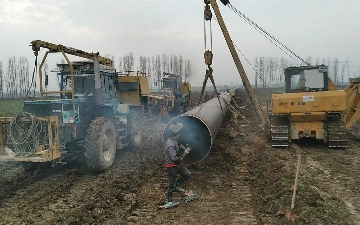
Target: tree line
(269, 71)
(18, 83)
(154, 66)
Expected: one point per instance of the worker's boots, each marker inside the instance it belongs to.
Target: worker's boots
(169, 205)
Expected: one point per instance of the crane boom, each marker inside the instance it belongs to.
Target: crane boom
(239, 66)
(37, 44)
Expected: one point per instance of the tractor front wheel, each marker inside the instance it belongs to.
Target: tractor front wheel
(135, 129)
(100, 144)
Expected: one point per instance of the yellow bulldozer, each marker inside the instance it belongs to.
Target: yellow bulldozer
(177, 92)
(312, 107)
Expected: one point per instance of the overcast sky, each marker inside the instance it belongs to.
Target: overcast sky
(317, 28)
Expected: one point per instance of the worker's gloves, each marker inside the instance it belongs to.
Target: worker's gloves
(187, 150)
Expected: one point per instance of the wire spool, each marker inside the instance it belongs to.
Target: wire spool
(24, 134)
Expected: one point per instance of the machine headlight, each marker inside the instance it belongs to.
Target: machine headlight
(71, 119)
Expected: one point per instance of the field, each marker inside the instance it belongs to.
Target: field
(10, 106)
(242, 181)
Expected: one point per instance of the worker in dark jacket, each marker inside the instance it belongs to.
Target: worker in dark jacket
(173, 165)
(206, 97)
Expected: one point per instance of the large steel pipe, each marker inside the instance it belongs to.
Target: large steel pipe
(201, 124)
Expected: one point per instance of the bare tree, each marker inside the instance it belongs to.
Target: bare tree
(1, 80)
(171, 63)
(165, 63)
(23, 75)
(256, 66)
(175, 66)
(323, 61)
(181, 61)
(335, 70)
(342, 73)
(128, 61)
(283, 64)
(153, 69)
(271, 66)
(262, 70)
(120, 64)
(277, 71)
(148, 63)
(11, 81)
(187, 70)
(309, 60)
(142, 62)
(112, 57)
(329, 68)
(158, 69)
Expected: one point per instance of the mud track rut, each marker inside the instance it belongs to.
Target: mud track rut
(337, 174)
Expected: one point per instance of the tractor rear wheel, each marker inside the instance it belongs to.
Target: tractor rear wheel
(135, 129)
(100, 144)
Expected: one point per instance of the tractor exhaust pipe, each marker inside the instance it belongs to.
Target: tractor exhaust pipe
(201, 125)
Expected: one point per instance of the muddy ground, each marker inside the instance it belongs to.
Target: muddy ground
(241, 181)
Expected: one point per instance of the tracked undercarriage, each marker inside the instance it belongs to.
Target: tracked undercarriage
(336, 132)
(333, 128)
(279, 130)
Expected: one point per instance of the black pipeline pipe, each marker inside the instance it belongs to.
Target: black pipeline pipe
(200, 126)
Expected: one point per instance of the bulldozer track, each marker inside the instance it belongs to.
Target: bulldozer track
(336, 132)
(279, 131)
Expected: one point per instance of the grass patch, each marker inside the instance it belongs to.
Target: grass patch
(8, 107)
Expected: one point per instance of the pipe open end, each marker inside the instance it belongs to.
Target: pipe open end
(194, 133)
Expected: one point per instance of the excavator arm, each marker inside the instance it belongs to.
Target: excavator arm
(235, 56)
(37, 44)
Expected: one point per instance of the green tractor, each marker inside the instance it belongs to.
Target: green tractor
(85, 112)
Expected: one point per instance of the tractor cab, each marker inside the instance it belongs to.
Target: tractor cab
(83, 77)
(306, 79)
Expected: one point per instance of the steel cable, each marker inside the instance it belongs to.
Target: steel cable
(24, 132)
(266, 34)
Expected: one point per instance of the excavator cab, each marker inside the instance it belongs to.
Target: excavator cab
(306, 79)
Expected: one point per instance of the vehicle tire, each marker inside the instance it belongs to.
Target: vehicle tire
(100, 144)
(134, 129)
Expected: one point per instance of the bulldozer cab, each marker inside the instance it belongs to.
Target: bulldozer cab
(172, 83)
(306, 79)
(133, 88)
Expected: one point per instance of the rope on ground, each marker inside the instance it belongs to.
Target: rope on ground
(234, 111)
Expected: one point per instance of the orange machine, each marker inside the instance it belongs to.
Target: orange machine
(312, 107)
